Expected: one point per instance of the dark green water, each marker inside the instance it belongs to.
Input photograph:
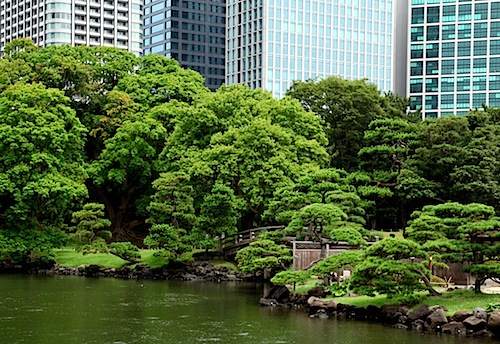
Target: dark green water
(57, 309)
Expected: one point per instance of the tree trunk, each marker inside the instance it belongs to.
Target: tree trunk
(428, 284)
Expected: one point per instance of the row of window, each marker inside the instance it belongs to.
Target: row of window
(449, 67)
(452, 31)
(454, 101)
(450, 49)
(452, 84)
(451, 13)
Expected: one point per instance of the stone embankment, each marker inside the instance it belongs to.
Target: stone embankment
(425, 318)
(198, 271)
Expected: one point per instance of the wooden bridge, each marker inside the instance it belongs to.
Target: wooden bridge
(232, 244)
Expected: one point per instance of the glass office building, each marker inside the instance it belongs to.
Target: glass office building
(192, 32)
(454, 56)
(272, 42)
(116, 23)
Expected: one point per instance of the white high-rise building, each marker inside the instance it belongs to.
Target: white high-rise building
(454, 56)
(270, 43)
(116, 23)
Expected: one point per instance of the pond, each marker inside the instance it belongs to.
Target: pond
(69, 309)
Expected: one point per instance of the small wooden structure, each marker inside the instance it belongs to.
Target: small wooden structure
(306, 253)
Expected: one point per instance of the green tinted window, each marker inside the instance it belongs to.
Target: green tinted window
(447, 84)
(431, 85)
(449, 13)
(431, 102)
(432, 50)
(478, 99)
(463, 48)
(433, 14)
(480, 48)
(464, 12)
(495, 47)
(417, 15)
(463, 101)
(417, 34)
(480, 30)
(479, 83)
(463, 66)
(416, 68)
(463, 84)
(447, 101)
(432, 33)
(416, 102)
(494, 82)
(448, 32)
(495, 65)
(464, 31)
(431, 67)
(417, 51)
(479, 66)
(448, 49)
(448, 67)
(481, 11)
(495, 10)
(495, 29)
(416, 85)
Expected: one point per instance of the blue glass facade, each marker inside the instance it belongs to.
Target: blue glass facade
(272, 42)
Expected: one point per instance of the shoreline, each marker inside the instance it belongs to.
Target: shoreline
(475, 323)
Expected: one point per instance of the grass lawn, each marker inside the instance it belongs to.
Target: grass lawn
(73, 259)
(454, 301)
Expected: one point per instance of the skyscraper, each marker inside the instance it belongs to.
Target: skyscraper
(116, 23)
(272, 42)
(454, 56)
(192, 32)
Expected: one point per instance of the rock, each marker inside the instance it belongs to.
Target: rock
(268, 302)
(279, 293)
(421, 312)
(434, 308)
(483, 333)
(373, 312)
(418, 325)
(318, 291)
(480, 313)
(436, 319)
(474, 324)
(320, 314)
(391, 314)
(494, 323)
(400, 326)
(313, 299)
(454, 327)
(461, 316)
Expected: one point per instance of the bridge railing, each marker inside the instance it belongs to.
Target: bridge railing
(244, 238)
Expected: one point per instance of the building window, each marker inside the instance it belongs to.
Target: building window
(417, 51)
(464, 48)
(494, 82)
(431, 68)
(416, 85)
(433, 14)
(448, 49)
(479, 83)
(417, 34)
(449, 13)
(481, 11)
(433, 33)
(495, 10)
(416, 68)
(447, 84)
(463, 101)
(463, 84)
(431, 102)
(464, 31)
(447, 101)
(495, 47)
(463, 66)
(431, 85)
(416, 103)
(448, 32)
(479, 66)
(495, 29)
(447, 67)
(417, 15)
(480, 30)
(480, 48)
(478, 99)
(432, 50)
(464, 12)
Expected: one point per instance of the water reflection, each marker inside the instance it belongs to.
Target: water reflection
(62, 309)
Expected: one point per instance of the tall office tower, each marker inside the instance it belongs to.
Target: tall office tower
(115, 23)
(454, 56)
(192, 32)
(272, 42)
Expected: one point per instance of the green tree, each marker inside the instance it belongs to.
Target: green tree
(346, 108)
(453, 232)
(291, 277)
(41, 173)
(264, 254)
(246, 140)
(332, 266)
(90, 224)
(388, 268)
